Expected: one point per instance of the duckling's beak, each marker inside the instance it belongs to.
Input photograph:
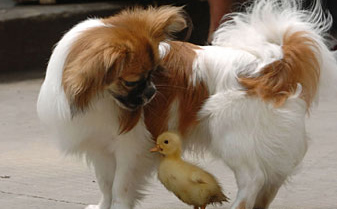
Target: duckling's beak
(156, 148)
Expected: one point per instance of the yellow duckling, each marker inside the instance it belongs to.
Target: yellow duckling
(188, 182)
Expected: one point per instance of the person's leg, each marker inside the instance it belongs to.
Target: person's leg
(217, 9)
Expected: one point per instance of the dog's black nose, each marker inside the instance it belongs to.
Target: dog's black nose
(149, 92)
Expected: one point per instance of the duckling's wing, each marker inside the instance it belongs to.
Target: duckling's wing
(198, 177)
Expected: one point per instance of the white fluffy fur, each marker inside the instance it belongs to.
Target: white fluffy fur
(260, 32)
(263, 145)
(122, 159)
(260, 143)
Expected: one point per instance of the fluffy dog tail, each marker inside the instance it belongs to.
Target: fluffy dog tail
(290, 43)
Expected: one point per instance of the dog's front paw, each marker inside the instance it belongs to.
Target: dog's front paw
(92, 207)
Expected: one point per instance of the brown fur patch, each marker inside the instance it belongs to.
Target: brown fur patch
(91, 65)
(159, 23)
(279, 79)
(242, 205)
(126, 49)
(128, 120)
(172, 82)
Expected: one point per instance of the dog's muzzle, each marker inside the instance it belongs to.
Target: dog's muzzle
(137, 98)
(149, 93)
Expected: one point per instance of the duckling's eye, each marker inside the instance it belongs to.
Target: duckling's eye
(166, 142)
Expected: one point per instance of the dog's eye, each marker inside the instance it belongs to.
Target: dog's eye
(131, 83)
(166, 142)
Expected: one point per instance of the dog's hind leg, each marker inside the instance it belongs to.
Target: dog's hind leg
(249, 181)
(232, 140)
(104, 165)
(266, 196)
(239, 156)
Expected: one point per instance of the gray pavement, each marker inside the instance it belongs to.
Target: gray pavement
(33, 174)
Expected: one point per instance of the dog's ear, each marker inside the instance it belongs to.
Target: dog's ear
(87, 73)
(165, 21)
(160, 22)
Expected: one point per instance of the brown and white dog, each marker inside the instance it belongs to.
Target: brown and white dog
(113, 85)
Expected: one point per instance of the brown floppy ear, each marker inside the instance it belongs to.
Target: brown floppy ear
(159, 22)
(165, 21)
(87, 73)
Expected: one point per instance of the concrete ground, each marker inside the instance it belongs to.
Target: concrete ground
(34, 175)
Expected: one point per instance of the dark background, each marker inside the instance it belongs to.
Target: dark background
(29, 31)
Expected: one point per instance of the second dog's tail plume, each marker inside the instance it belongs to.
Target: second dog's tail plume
(279, 79)
(291, 44)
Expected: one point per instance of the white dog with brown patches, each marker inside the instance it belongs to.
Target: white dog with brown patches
(113, 85)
